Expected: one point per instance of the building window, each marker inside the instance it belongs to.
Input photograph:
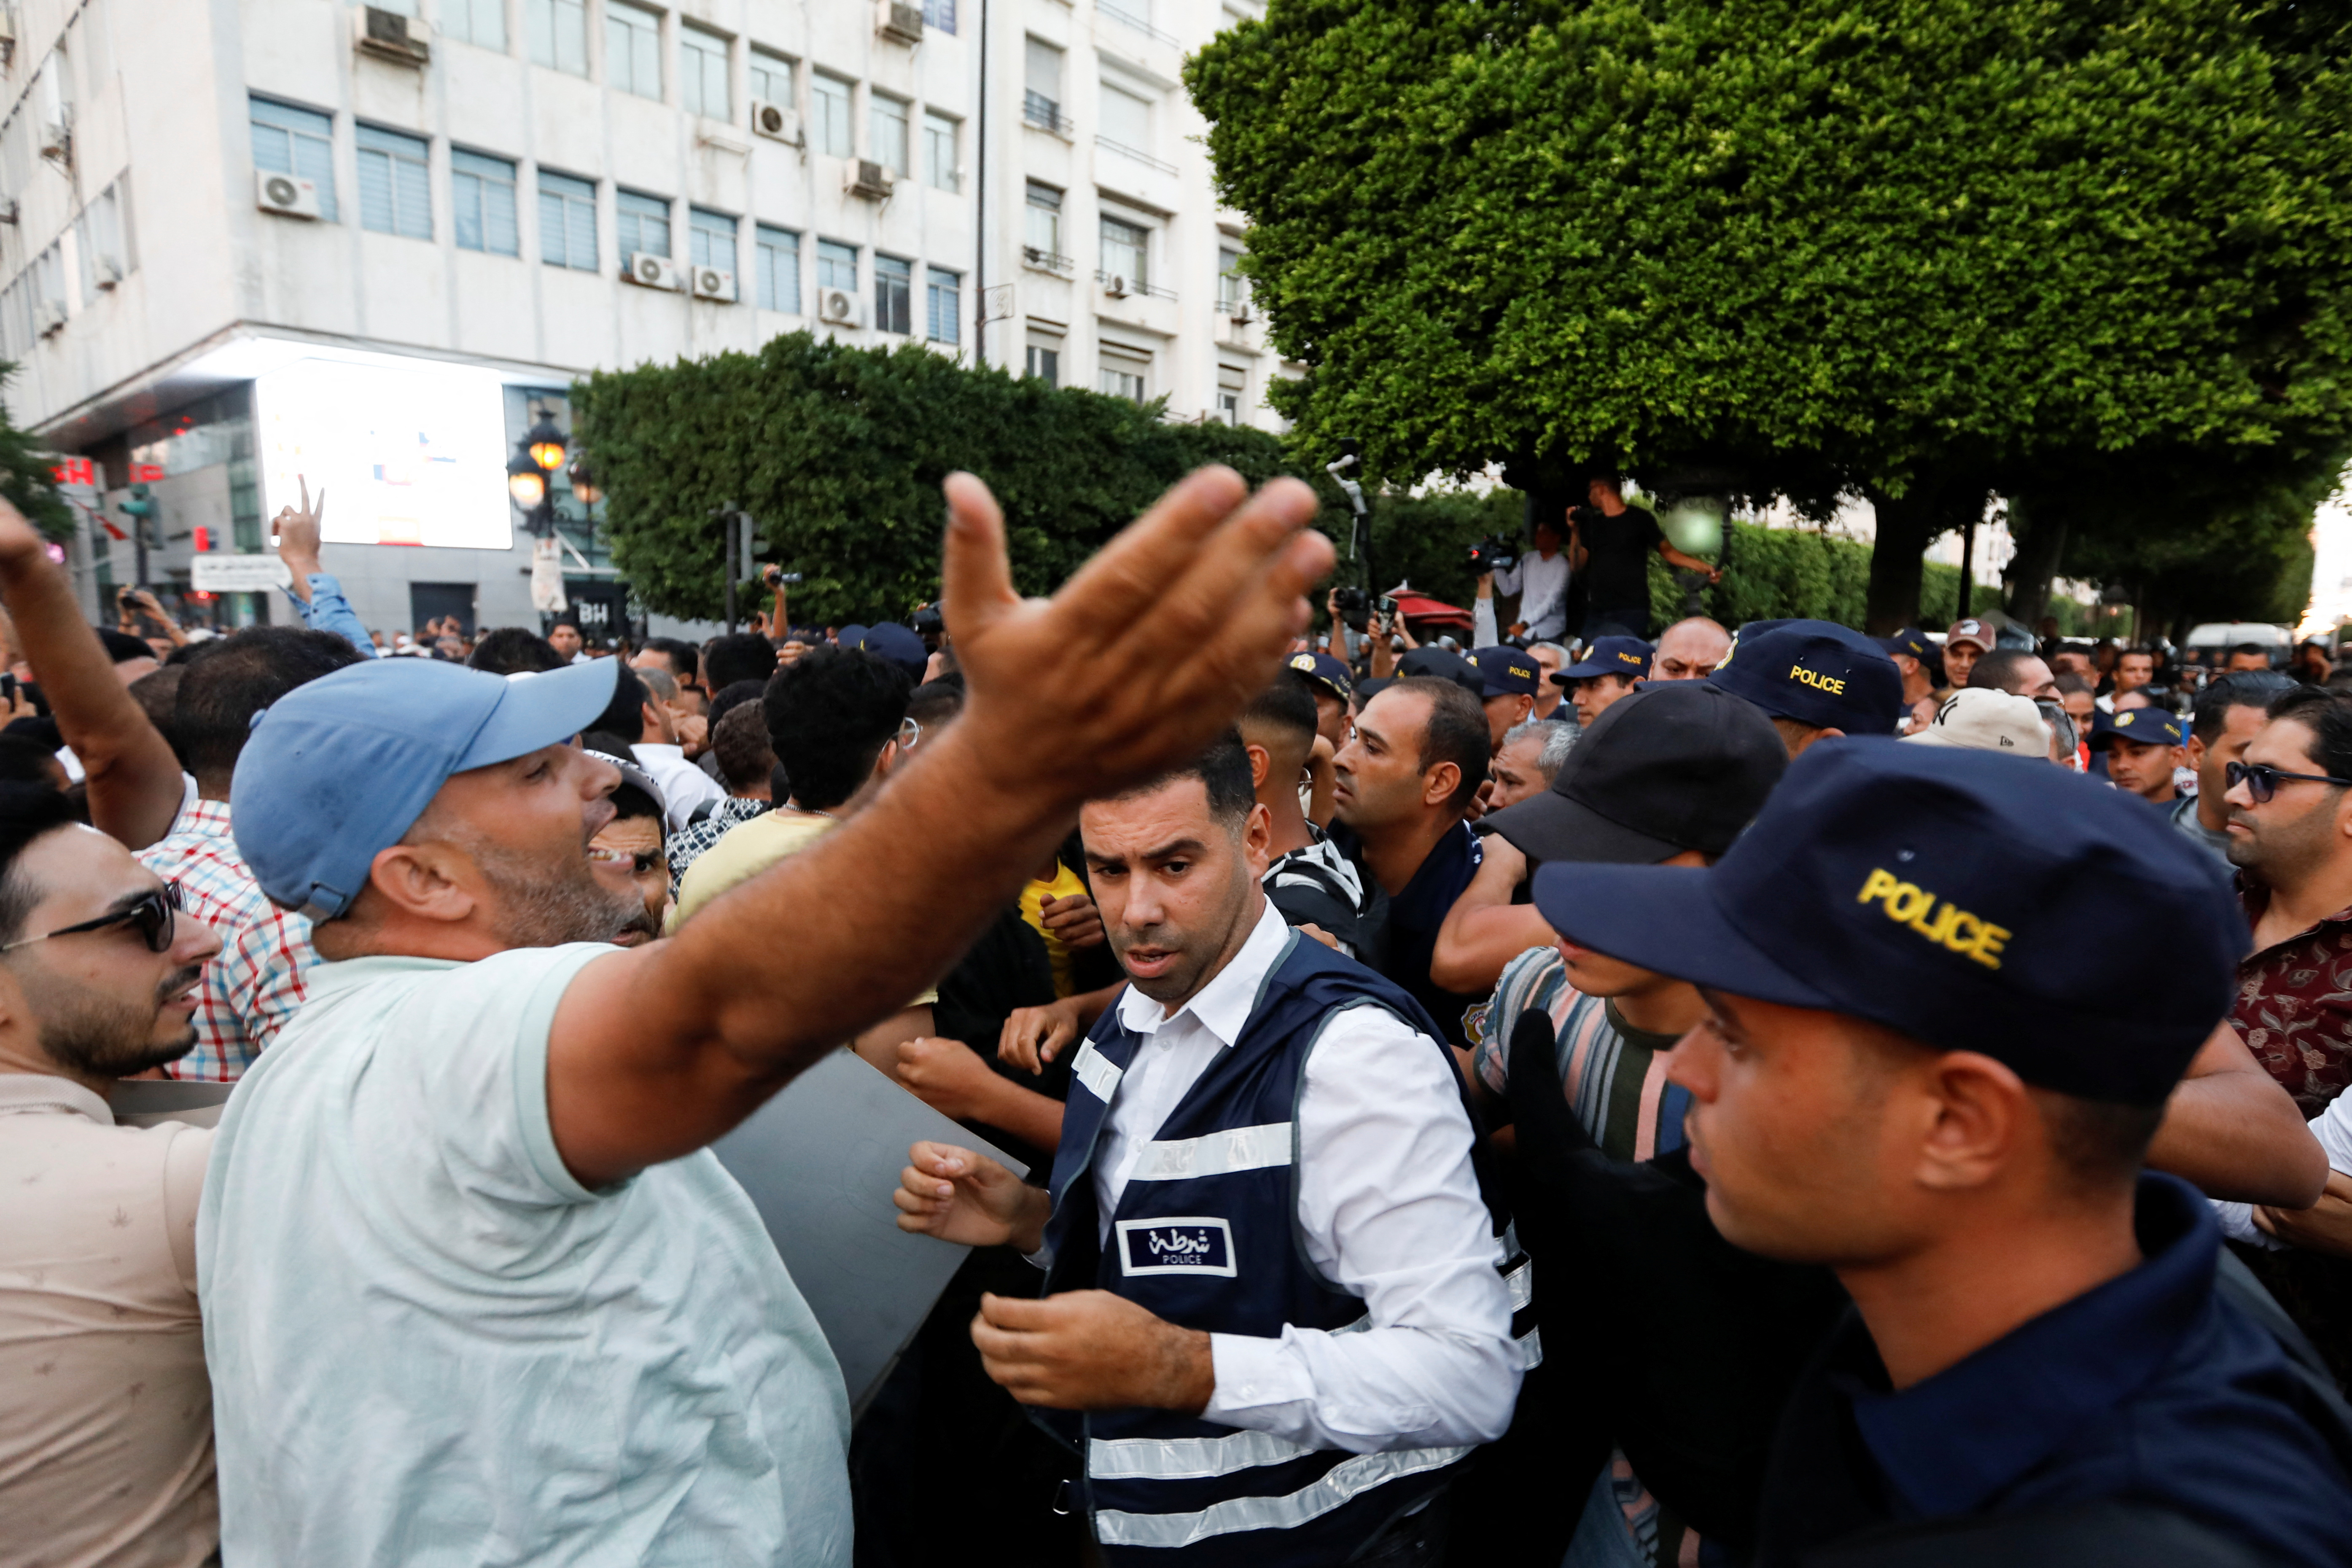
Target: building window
(1232, 386)
(567, 222)
(1127, 251)
(894, 295)
(482, 203)
(943, 306)
(1043, 236)
(558, 33)
(940, 13)
(643, 223)
(1122, 371)
(1045, 365)
(776, 257)
(395, 189)
(98, 240)
(1126, 119)
(1231, 290)
(836, 265)
(632, 48)
(885, 132)
(710, 240)
(829, 108)
(771, 80)
(1041, 105)
(297, 142)
(481, 22)
(939, 151)
(702, 73)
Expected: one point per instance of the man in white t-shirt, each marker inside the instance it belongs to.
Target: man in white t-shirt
(474, 1288)
(1540, 580)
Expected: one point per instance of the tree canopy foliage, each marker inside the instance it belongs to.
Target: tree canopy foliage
(838, 453)
(28, 477)
(1920, 249)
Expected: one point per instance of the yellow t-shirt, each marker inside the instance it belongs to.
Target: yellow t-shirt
(1035, 897)
(744, 851)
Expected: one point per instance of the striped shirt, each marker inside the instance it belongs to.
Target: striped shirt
(1614, 1074)
(256, 981)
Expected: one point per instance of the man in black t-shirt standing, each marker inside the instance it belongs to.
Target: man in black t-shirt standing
(1610, 543)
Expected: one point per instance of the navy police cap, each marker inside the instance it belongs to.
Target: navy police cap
(1628, 657)
(1507, 671)
(1816, 672)
(2148, 726)
(1943, 894)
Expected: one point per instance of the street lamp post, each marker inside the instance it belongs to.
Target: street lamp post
(539, 454)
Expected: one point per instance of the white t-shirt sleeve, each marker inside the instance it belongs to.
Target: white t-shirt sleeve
(1390, 1210)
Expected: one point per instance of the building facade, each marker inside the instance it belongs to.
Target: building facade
(248, 245)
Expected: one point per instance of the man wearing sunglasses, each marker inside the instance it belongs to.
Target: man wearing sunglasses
(106, 1454)
(2290, 827)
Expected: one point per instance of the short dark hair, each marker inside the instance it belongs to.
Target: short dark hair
(2235, 649)
(2071, 682)
(738, 656)
(236, 678)
(625, 715)
(1996, 668)
(2099, 1143)
(2327, 714)
(739, 742)
(1287, 707)
(935, 703)
(727, 698)
(121, 647)
(24, 760)
(2246, 689)
(684, 658)
(157, 692)
(829, 716)
(27, 812)
(1223, 770)
(630, 802)
(510, 650)
(1456, 732)
(2149, 653)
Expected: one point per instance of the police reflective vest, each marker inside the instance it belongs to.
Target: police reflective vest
(1206, 1235)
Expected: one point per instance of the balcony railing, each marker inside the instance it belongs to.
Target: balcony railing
(1136, 286)
(1047, 259)
(1138, 153)
(1129, 19)
(1043, 113)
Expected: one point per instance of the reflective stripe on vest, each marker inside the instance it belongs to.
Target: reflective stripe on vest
(1187, 1458)
(1215, 1153)
(1097, 1071)
(1348, 1479)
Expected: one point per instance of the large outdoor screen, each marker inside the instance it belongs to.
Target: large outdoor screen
(408, 456)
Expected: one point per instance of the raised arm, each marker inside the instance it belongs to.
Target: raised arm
(2232, 1130)
(318, 596)
(1145, 654)
(134, 780)
(1485, 931)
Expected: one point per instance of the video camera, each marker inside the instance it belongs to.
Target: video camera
(1355, 607)
(1494, 554)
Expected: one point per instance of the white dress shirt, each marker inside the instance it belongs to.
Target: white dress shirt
(1542, 583)
(684, 786)
(2333, 1128)
(1389, 1210)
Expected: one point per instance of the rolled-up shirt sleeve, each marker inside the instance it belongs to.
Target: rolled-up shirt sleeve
(1389, 1210)
(328, 611)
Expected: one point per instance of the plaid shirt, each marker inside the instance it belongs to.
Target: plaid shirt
(683, 846)
(256, 981)
(2294, 1006)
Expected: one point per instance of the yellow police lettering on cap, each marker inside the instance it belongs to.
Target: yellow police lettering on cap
(1828, 683)
(1951, 928)
(1631, 657)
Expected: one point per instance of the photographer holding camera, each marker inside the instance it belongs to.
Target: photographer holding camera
(1540, 580)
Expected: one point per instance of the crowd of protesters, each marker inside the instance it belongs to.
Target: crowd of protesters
(1765, 1095)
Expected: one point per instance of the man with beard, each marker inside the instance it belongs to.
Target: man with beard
(627, 852)
(1272, 1284)
(107, 1453)
(473, 1284)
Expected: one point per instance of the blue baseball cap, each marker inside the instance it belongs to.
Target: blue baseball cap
(338, 769)
(2147, 726)
(890, 641)
(1910, 641)
(1445, 665)
(1943, 893)
(1628, 657)
(1507, 671)
(1323, 670)
(1816, 672)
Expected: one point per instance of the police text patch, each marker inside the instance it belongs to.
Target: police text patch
(1191, 1245)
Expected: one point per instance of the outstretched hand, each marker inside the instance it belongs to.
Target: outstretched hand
(960, 1196)
(1145, 654)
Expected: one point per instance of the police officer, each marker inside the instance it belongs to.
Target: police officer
(1275, 1293)
(2143, 746)
(1508, 678)
(1906, 1074)
(1814, 679)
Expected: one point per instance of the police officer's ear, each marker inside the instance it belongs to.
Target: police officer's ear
(1261, 764)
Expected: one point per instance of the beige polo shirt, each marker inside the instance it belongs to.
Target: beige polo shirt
(106, 1415)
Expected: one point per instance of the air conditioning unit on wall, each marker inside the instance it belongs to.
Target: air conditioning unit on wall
(48, 317)
(839, 307)
(1115, 287)
(865, 178)
(389, 36)
(285, 195)
(710, 283)
(652, 271)
(899, 21)
(776, 123)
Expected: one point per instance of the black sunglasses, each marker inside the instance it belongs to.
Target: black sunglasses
(154, 915)
(2262, 779)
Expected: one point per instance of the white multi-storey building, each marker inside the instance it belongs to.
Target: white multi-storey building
(247, 242)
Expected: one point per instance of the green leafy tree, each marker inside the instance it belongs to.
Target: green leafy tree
(27, 475)
(1925, 250)
(838, 453)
